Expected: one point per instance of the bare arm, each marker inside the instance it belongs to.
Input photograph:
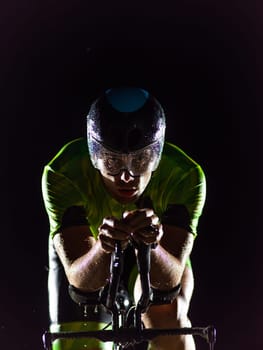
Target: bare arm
(86, 260)
(86, 264)
(169, 258)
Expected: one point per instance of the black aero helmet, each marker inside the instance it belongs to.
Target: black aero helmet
(125, 120)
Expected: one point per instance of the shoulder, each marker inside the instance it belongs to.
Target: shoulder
(72, 162)
(72, 151)
(176, 161)
(178, 178)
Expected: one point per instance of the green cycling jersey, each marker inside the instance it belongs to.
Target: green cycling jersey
(74, 193)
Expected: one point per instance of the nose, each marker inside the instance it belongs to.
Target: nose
(126, 176)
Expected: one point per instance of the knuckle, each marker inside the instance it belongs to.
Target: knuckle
(155, 219)
(149, 212)
(108, 221)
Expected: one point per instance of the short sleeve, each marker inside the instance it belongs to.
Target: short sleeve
(59, 194)
(185, 207)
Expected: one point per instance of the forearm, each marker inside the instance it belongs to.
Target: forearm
(166, 270)
(91, 271)
(86, 260)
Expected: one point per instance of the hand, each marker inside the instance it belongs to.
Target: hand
(144, 226)
(112, 230)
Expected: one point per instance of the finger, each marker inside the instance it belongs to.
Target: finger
(118, 225)
(141, 219)
(145, 234)
(159, 232)
(155, 220)
(109, 221)
(107, 244)
(151, 234)
(139, 238)
(113, 233)
(132, 217)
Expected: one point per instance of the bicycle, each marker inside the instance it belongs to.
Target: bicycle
(127, 327)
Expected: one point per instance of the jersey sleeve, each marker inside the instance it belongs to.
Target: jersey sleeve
(186, 204)
(61, 196)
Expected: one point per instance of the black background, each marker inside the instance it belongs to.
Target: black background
(203, 60)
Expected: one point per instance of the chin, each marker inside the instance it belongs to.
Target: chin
(124, 200)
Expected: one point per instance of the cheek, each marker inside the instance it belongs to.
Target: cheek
(144, 180)
(107, 179)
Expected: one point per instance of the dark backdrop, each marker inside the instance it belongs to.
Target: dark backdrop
(203, 60)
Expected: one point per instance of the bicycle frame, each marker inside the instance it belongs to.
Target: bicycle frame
(121, 335)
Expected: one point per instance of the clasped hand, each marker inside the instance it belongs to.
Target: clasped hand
(140, 225)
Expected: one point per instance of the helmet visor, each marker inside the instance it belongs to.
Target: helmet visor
(136, 163)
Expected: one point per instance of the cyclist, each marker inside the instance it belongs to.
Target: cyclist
(121, 182)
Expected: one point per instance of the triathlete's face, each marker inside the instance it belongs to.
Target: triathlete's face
(125, 175)
(124, 187)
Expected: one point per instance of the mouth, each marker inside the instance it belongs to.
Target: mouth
(127, 192)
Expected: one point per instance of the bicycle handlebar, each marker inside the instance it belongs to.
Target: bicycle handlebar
(131, 335)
